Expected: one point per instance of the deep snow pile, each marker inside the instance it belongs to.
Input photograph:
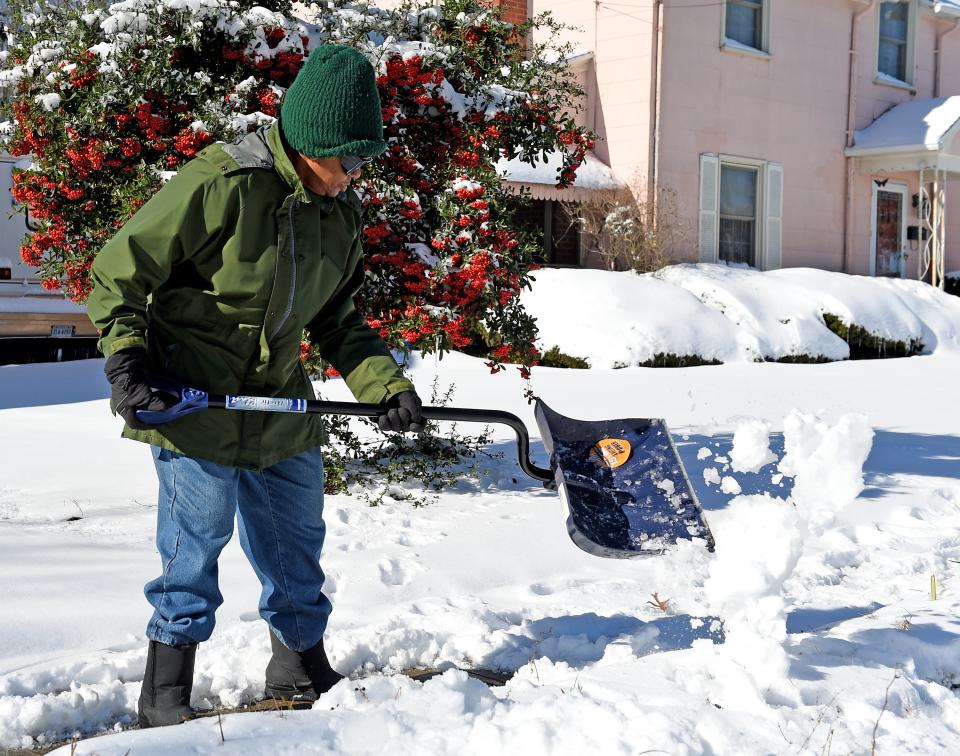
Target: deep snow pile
(832, 491)
(730, 314)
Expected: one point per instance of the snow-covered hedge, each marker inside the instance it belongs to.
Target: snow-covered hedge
(695, 314)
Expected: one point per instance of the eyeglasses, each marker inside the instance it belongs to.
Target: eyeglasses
(352, 163)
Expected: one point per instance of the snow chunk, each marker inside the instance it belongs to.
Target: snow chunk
(49, 101)
(826, 463)
(751, 446)
(711, 476)
(729, 485)
(759, 541)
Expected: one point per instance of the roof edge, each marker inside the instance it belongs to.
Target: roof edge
(897, 149)
(948, 9)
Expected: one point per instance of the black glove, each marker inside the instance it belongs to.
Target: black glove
(403, 413)
(126, 370)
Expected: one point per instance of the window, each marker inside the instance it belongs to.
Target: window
(738, 214)
(895, 41)
(741, 211)
(745, 23)
(560, 231)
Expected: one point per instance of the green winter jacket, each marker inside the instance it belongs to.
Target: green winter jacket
(218, 275)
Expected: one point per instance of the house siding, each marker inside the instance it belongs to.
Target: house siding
(789, 108)
(618, 103)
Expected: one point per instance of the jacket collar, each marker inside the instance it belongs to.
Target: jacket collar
(283, 166)
(264, 149)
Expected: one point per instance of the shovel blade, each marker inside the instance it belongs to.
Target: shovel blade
(624, 488)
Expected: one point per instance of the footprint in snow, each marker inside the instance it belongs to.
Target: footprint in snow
(331, 582)
(393, 573)
(412, 539)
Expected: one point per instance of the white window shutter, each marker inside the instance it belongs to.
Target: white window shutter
(709, 206)
(773, 246)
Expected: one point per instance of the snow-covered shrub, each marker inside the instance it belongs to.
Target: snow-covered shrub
(553, 357)
(865, 345)
(110, 97)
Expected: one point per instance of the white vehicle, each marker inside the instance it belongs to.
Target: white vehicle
(35, 325)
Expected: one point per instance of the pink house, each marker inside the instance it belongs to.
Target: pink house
(817, 133)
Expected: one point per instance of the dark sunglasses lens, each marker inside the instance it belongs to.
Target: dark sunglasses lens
(351, 163)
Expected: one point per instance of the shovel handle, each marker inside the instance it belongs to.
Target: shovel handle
(194, 400)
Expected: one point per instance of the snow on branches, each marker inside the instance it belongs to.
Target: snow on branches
(108, 99)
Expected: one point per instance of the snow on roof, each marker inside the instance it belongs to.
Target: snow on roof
(45, 303)
(592, 174)
(946, 7)
(914, 125)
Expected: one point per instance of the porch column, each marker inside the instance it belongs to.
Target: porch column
(939, 208)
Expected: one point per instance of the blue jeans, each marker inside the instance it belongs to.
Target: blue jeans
(279, 511)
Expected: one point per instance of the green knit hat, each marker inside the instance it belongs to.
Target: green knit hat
(333, 107)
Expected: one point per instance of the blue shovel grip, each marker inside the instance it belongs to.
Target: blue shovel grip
(191, 400)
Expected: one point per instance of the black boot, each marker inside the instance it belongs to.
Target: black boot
(298, 675)
(167, 683)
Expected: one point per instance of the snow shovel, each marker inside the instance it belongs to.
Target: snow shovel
(624, 489)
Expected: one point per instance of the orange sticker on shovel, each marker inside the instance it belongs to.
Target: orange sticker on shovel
(611, 452)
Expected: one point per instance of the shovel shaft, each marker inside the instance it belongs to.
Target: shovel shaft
(450, 414)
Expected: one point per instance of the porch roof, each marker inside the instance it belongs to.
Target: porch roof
(913, 135)
(945, 7)
(541, 178)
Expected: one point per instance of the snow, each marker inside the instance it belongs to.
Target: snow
(825, 461)
(733, 44)
(831, 489)
(808, 618)
(48, 101)
(729, 485)
(592, 174)
(711, 475)
(751, 446)
(947, 7)
(731, 314)
(631, 318)
(52, 303)
(915, 124)
(759, 540)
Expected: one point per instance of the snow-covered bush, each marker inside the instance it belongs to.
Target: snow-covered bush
(628, 231)
(108, 98)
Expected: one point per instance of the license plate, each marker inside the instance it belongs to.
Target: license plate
(61, 331)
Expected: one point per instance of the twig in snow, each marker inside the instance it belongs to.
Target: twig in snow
(827, 744)
(659, 603)
(220, 722)
(816, 724)
(886, 700)
(77, 505)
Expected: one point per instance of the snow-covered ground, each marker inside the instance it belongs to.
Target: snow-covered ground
(833, 491)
